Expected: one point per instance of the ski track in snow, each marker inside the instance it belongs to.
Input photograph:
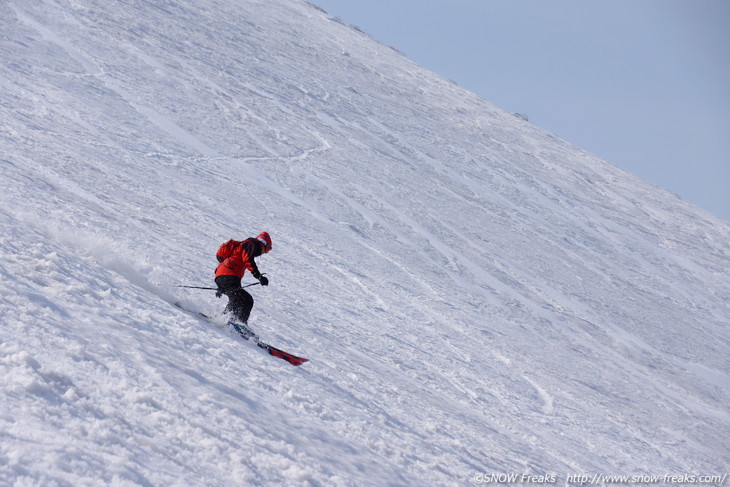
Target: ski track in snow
(475, 294)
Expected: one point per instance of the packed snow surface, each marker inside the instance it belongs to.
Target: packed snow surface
(476, 295)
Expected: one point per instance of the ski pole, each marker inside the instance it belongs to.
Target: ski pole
(215, 288)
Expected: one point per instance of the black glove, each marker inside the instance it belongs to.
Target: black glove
(219, 293)
(263, 280)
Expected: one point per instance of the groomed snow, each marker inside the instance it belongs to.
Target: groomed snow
(476, 295)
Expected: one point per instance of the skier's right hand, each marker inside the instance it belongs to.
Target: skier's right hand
(219, 293)
(264, 280)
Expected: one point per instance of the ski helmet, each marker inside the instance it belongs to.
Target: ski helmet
(265, 240)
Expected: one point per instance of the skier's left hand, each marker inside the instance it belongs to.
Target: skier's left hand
(264, 280)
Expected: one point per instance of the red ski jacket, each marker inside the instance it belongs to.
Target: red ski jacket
(235, 257)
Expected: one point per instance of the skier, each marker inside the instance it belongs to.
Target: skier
(234, 258)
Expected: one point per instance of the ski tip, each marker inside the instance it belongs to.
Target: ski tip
(292, 359)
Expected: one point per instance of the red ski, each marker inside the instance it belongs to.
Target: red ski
(248, 334)
(292, 359)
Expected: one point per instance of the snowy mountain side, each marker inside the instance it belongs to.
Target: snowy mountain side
(475, 294)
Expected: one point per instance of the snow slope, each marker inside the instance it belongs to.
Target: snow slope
(475, 294)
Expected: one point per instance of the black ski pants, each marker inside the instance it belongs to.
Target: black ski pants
(240, 302)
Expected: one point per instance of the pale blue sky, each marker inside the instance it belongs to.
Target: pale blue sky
(645, 84)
